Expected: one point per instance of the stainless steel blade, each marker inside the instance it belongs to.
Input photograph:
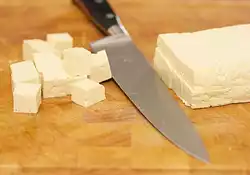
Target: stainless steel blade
(136, 77)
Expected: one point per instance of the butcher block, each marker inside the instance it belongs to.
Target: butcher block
(112, 137)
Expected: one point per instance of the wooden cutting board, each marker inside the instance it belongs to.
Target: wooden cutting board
(112, 137)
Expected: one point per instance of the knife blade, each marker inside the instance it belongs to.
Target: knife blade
(139, 81)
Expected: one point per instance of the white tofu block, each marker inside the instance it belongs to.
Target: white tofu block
(87, 92)
(24, 72)
(60, 41)
(194, 96)
(209, 58)
(100, 69)
(26, 98)
(55, 79)
(37, 46)
(77, 61)
(162, 67)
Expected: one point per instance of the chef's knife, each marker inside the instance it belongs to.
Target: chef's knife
(138, 80)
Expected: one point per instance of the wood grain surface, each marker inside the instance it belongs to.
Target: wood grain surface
(112, 137)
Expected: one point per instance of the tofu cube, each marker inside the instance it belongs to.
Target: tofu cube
(26, 98)
(24, 72)
(37, 46)
(55, 79)
(60, 41)
(100, 68)
(87, 92)
(47, 62)
(76, 61)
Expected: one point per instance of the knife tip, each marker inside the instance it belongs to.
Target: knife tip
(199, 152)
(204, 158)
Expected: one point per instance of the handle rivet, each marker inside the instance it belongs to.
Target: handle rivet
(110, 15)
(98, 1)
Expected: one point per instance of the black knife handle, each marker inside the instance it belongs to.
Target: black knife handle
(101, 13)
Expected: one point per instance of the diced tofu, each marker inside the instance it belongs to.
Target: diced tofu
(55, 79)
(77, 61)
(47, 62)
(100, 68)
(87, 92)
(60, 41)
(24, 72)
(37, 46)
(26, 98)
